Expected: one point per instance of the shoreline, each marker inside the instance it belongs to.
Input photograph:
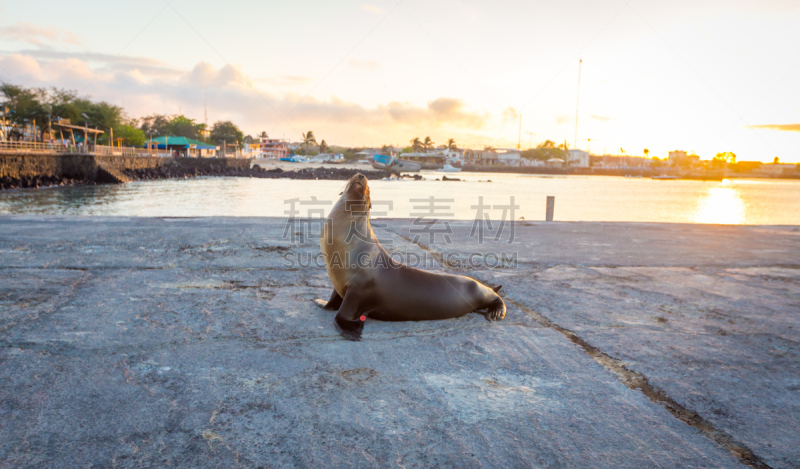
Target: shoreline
(35, 171)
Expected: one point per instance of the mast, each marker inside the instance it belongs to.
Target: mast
(577, 105)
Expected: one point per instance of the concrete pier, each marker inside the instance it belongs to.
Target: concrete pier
(149, 342)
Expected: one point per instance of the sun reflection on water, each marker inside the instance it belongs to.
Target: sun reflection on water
(721, 205)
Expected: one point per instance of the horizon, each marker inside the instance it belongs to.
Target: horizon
(705, 79)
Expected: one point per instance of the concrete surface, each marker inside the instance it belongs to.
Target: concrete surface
(195, 343)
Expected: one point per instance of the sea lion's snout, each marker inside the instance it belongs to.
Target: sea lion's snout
(358, 185)
(358, 194)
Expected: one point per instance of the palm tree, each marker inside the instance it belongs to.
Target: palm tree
(416, 144)
(264, 134)
(323, 146)
(451, 144)
(428, 144)
(309, 139)
(646, 152)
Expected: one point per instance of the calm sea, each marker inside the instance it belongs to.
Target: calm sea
(578, 198)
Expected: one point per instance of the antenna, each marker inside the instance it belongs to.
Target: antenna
(577, 104)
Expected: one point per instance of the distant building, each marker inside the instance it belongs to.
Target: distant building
(777, 169)
(493, 157)
(509, 156)
(620, 162)
(182, 146)
(529, 162)
(578, 158)
(251, 149)
(440, 156)
(272, 148)
(680, 158)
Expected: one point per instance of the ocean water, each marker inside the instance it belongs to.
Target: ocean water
(578, 198)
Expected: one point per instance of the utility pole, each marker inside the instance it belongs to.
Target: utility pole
(519, 136)
(577, 104)
(589, 146)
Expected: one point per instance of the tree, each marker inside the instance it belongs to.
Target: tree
(227, 131)
(545, 151)
(776, 160)
(132, 137)
(25, 104)
(451, 144)
(646, 152)
(42, 106)
(722, 159)
(428, 144)
(157, 123)
(416, 144)
(264, 134)
(182, 126)
(323, 146)
(309, 139)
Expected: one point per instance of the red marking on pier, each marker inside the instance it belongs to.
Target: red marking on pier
(363, 318)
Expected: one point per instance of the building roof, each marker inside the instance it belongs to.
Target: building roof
(181, 142)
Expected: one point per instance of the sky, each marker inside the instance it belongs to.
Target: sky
(703, 76)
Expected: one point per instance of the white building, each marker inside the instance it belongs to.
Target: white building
(509, 156)
(578, 158)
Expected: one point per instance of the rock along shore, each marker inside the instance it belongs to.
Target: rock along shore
(34, 171)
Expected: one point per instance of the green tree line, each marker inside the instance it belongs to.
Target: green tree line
(24, 106)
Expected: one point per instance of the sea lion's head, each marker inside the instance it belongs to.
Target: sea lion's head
(356, 195)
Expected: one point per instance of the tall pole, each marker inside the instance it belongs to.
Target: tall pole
(589, 146)
(577, 104)
(519, 136)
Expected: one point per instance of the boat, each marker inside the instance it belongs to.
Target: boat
(293, 159)
(333, 159)
(394, 164)
(665, 177)
(448, 169)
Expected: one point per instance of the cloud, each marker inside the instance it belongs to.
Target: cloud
(563, 119)
(784, 127)
(231, 95)
(439, 112)
(363, 64)
(600, 118)
(371, 8)
(37, 35)
(509, 113)
(286, 80)
(110, 62)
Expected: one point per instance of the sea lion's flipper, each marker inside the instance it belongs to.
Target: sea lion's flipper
(333, 304)
(496, 310)
(349, 321)
(497, 288)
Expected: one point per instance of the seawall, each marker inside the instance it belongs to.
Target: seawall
(29, 170)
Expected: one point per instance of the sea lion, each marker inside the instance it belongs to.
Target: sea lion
(367, 282)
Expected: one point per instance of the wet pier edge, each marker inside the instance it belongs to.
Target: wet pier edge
(147, 342)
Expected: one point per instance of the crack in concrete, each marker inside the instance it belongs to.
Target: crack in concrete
(639, 382)
(70, 350)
